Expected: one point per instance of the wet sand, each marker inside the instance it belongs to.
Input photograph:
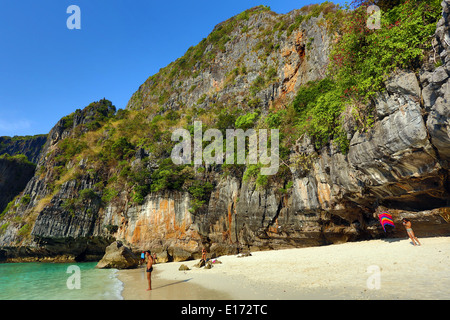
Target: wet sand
(135, 287)
(375, 269)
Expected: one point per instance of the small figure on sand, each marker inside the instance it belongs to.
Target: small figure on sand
(150, 261)
(204, 254)
(142, 258)
(409, 230)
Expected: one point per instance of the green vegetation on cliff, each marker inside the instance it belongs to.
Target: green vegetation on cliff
(18, 158)
(30, 146)
(360, 62)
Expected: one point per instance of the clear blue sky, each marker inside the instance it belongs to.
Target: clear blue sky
(48, 71)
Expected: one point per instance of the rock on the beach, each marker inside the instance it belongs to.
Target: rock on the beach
(245, 254)
(200, 264)
(118, 256)
(183, 267)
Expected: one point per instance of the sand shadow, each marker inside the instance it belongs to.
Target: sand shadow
(173, 283)
(391, 240)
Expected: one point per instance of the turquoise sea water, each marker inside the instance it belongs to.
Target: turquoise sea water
(58, 281)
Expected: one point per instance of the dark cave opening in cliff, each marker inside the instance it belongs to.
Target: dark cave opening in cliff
(418, 203)
(81, 257)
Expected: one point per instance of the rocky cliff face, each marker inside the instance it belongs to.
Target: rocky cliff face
(256, 45)
(395, 166)
(47, 225)
(400, 164)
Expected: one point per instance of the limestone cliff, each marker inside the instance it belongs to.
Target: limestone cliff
(34, 229)
(103, 177)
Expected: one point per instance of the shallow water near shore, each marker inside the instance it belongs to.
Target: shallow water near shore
(56, 281)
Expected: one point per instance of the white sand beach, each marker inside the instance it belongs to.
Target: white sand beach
(375, 269)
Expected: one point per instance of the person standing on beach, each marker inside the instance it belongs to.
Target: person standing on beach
(150, 261)
(409, 230)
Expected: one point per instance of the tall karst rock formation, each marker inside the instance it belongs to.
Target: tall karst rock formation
(105, 174)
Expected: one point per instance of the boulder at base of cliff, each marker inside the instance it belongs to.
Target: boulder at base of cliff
(118, 256)
(183, 267)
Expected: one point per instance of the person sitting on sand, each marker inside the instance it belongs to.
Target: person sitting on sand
(409, 230)
(150, 261)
